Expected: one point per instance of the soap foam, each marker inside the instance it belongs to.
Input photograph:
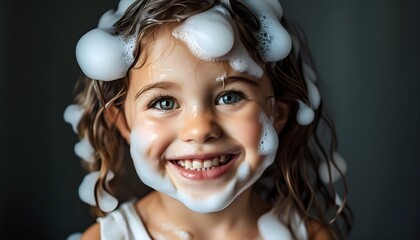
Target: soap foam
(271, 227)
(86, 191)
(149, 172)
(84, 150)
(103, 56)
(109, 18)
(274, 42)
(335, 174)
(208, 35)
(305, 114)
(72, 115)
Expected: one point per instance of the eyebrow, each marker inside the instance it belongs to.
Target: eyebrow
(246, 80)
(159, 85)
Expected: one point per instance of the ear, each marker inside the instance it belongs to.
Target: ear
(116, 117)
(281, 114)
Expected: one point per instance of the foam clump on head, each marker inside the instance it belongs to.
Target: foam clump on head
(211, 37)
(274, 42)
(208, 35)
(109, 18)
(102, 55)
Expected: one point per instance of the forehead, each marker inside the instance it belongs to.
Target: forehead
(162, 48)
(165, 57)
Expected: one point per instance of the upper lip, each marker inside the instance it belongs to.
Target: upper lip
(198, 156)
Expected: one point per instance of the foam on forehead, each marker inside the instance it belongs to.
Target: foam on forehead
(211, 37)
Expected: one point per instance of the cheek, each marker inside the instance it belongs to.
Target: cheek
(247, 129)
(150, 137)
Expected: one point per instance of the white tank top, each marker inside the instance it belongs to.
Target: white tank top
(123, 223)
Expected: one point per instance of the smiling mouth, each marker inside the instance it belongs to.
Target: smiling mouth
(204, 164)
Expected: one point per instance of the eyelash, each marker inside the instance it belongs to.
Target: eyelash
(159, 98)
(242, 96)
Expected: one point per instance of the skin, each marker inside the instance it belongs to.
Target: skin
(207, 117)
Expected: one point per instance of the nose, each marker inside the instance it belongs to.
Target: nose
(200, 127)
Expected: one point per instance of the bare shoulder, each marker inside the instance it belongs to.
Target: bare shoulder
(317, 231)
(93, 232)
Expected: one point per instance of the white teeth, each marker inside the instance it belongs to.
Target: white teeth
(215, 161)
(197, 164)
(181, 163)
(188, 164)
(200, 165)
(208, 163)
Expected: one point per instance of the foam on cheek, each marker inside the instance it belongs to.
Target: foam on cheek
(243, 178)
(269, 141)
(150, 173)
(148, 169)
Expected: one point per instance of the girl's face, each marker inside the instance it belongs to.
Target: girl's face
(200, 132)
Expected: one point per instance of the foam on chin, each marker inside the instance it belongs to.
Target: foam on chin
(151, 174)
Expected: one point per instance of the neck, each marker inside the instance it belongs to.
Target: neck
(162, 212)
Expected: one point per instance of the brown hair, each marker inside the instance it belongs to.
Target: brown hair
(297, 186)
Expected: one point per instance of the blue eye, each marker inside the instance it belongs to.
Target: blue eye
(165, 104)
(230, 97)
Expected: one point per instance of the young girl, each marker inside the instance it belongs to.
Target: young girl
(218, 105)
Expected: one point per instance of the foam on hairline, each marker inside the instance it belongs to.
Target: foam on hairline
(211, 37)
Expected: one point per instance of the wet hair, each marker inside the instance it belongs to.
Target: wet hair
(291, 185)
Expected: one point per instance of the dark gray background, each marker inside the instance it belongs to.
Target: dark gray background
(366, 53)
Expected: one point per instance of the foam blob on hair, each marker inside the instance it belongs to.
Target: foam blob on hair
(274, 42)
(74, 236)
(109, 18)
(106, 202)
(84, 150)
(72, 115)
(271, 228)
(87, 188)
(313, 94)
(305, 114)
(103, 56)
(335, 173)
(208, 35)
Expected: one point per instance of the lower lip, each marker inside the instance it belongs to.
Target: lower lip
(206, 174)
